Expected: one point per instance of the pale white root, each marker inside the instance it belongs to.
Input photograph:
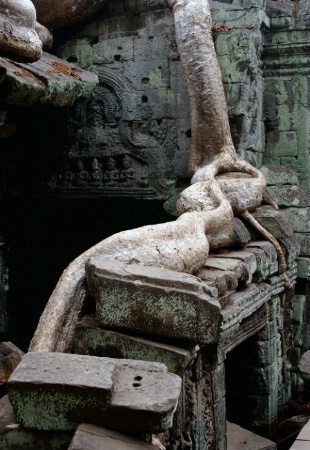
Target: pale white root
(206, 208)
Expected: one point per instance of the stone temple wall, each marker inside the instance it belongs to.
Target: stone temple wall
(132, 140)
(138, 120)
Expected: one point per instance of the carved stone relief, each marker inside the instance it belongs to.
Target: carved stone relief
(110, 153)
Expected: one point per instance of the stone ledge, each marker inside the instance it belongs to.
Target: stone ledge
(50, 80)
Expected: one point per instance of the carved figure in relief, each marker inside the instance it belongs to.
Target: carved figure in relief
(127, 174)
(206, 208)
(111, 176)
(96, 174)
(67, 177)
(81, 177)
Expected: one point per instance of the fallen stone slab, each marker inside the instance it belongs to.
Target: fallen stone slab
(92, 437)
(10, 357)
(152, 301)
(241, 439)
(89, 339)
(14, 437)
(57, 391)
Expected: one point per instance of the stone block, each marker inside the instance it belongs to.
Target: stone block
(270, 253)
(299, 218)
(273, 221)
(266, 352)
(218, 383)
(241, 237)
(262, 380)
(304, 242)
(238, 438)
(223, 281)
(303, 268)
(269, 331)
(114, 50)
(277, 175)
(227, 264)
(298, 304)
(10, 357)
(287, 195)
(56, 391)
(219, 414)
(92, 437)
(92, 340)
(152, 301)
(148, 75)
(135, 7)
(304, 367)
(14, 437)
(298, 334)
(291, 248)
(262, 407)
(247, 257)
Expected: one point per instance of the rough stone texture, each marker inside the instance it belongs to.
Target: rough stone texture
(303, 267)
(238, 26)
(18, 37)
(10, 357)
(274, 222)
(55, 391)
(4, 286)
(299, 218)
(50, 80)
(89, 339)
(92, 437)
(132, 48)
(241, 439)
(286, 195)
(170, 304)
(286, 89)
(14, 437)
(278, 175)
(304, 367)
(54, 15)
(241, 237)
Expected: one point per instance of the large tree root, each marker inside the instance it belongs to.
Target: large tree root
(206, 208)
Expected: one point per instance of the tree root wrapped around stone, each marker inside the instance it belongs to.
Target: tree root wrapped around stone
(223, 185)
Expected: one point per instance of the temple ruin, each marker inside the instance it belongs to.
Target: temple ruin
(172, 213)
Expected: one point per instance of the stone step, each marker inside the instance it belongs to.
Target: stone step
(57, 391)
(241, 439)
(92, 437)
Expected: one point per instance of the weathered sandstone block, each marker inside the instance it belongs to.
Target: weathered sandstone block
(152, 301)
(56, 391)
(92, 437)
(89, 339)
